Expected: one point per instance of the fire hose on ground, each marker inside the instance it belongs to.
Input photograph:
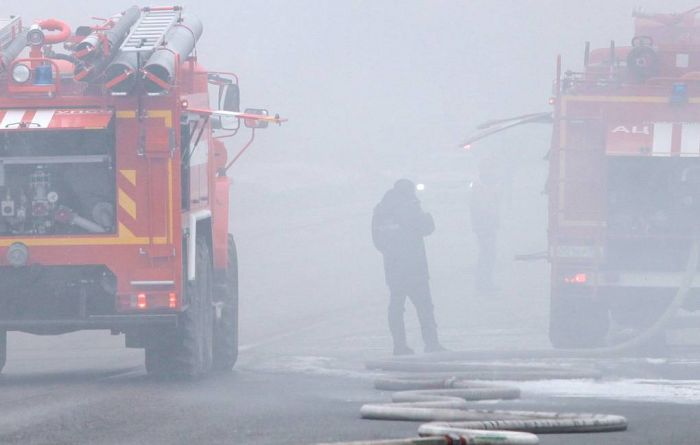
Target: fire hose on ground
(442, 399)
(438, 392)
(446, 407)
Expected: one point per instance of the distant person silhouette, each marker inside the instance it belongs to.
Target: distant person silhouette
(398, 228)
(486, 219)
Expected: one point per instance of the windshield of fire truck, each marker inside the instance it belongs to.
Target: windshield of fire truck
(57, 182)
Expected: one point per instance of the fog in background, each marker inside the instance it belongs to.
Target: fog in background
(376, 90)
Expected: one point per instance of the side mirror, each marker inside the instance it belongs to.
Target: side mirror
(256, 123)
(231, 99)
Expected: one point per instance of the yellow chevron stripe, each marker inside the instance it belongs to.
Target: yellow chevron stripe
(129, 175)
(167, 115)
(126, 203)
(126, 114)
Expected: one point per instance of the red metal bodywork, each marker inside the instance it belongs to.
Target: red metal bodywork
(607, 113)
(146, 252)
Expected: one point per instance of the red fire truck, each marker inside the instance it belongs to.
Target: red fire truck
(624, 179)
(114, 194)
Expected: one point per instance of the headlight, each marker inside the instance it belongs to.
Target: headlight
(21, 73)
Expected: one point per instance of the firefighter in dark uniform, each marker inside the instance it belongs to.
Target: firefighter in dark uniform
(485, 217)
(398, 228)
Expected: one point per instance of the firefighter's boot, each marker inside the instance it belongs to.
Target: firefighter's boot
(432, 344)
(398, 330)
(430, 335)
(428, 328)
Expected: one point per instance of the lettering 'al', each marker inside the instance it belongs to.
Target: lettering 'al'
(634, 129)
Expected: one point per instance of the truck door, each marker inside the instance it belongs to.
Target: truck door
(195, 131)
(582, 174)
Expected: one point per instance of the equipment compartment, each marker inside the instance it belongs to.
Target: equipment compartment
(57, 182)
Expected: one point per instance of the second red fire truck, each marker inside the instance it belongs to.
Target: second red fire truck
(624, 180)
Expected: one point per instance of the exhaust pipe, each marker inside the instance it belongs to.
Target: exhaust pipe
(180, 40)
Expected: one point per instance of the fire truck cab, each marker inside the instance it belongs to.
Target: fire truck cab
(114, 198)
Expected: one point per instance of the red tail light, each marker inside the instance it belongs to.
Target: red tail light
(141, 302)
(579, 278)
(148, 301)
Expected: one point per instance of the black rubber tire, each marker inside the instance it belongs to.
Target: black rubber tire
(577, 321)
(190, 353)
(3, 349)
(159, 360)
(226, 330)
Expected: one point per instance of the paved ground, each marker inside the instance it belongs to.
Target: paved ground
(86, 389)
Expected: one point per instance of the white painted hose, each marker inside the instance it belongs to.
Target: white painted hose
(475, 371)
(86, 224)
(465, 437)
(451, 439)
(450, 405)
(419, 441)
(533, 422)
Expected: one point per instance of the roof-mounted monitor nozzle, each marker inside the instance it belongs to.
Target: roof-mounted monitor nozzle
(35, 35)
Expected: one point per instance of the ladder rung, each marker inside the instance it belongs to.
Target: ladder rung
(150, 30)
(9, 28)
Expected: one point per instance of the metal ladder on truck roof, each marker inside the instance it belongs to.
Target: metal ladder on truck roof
(9, 28)
(149, 32)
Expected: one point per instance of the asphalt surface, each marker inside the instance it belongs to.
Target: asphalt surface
(83, 388)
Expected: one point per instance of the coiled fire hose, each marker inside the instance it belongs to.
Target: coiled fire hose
(439, 392)
(442, 399)
(448, 411)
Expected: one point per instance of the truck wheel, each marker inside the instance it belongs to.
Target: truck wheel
(638, 311)
(190, 353)
(3, 349)
(226, 331)
(159, 360)
(577, 321)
